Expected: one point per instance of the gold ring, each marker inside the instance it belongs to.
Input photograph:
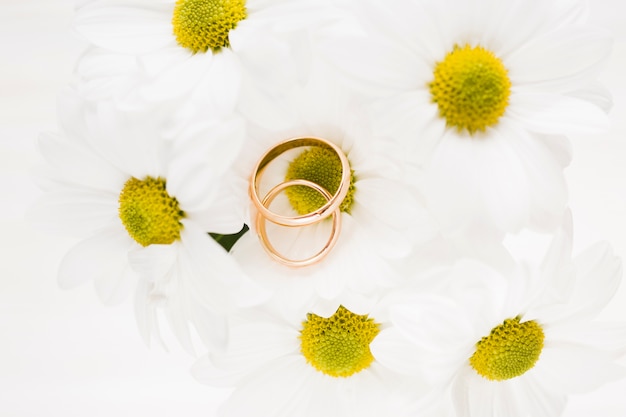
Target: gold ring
(269, 248)
(321, 213)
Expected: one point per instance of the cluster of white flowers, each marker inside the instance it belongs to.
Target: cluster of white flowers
(318, 196)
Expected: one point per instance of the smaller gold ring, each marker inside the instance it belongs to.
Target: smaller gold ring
(269, 248)
(321, 213)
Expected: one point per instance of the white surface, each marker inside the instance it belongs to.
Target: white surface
(64, 354)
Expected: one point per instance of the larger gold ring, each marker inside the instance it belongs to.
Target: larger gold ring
(269, 248)
(315, 216)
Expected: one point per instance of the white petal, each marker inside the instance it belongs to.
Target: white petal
(252, 345)
(539, 398)
(390, 239)
(280, 390)
(126, 29)
(211, 327)
(152, 262)
(598, 275)
(221, 84)
(404, 220)
(75, 163)
(596, 94)
(216, 143)
(546, 182)
(557, 265)
(191, 182)
(113, 287)
(472, 395)
(227, 213)
(575, 369)
(395, 352)
(144, 314)
(214, 276)
(433, 323)
(559, 61)
(127, 141)
(608, 337)
(412, 120)
(177, 315)
(381, 67)
(79, 212)
(554, 114)
(478, 178)
(101, 258)
(560, 147)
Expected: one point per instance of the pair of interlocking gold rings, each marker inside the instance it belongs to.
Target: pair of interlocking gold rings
(330, 208)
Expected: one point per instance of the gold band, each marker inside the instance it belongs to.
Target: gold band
(330, 208)
(310, 218)
(269, 248)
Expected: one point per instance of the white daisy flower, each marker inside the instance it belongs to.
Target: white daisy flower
(220, 50)
(511, 345)
(306, 364)
(382, 220)
(478, 93)
(145, 204)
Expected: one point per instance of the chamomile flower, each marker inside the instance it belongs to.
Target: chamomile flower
(479, 93)
(144, 207)
(306, 364)
(382, 219)
(220, 50)
(513, 345)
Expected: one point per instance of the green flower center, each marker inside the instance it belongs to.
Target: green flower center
(323, 167)
(200, 25)
(471, 88)
(149, 213)
(338, 346)
(511, 349)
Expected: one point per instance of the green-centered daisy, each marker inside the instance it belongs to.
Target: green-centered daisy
(478, 93)
(382, 220)
(307, 364)
(516, 344)
(144, 207)
(219, 51)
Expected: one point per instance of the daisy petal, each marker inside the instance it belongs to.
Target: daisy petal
(559, 60)
(605, 336)
(598, 274)
(575, 369)
(596, 94)
(75, 164)
(100, 258)
(394, 351)
(287, 380)
(540, 398)
(554, 114)
(127, 29)
(77, 213)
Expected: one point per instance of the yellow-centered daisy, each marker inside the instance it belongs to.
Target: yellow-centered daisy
(471, 88)
(200, 25)
(339, 345)
(323, 167)
(511, 349)
(480, 101)
(149, 213)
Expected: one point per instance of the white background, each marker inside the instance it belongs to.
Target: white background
(64, 354)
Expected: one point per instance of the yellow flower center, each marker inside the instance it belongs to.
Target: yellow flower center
(323, 167)
(200, 25)
(471, 88)
(149, 213)
(511, 349)
(338, 346)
